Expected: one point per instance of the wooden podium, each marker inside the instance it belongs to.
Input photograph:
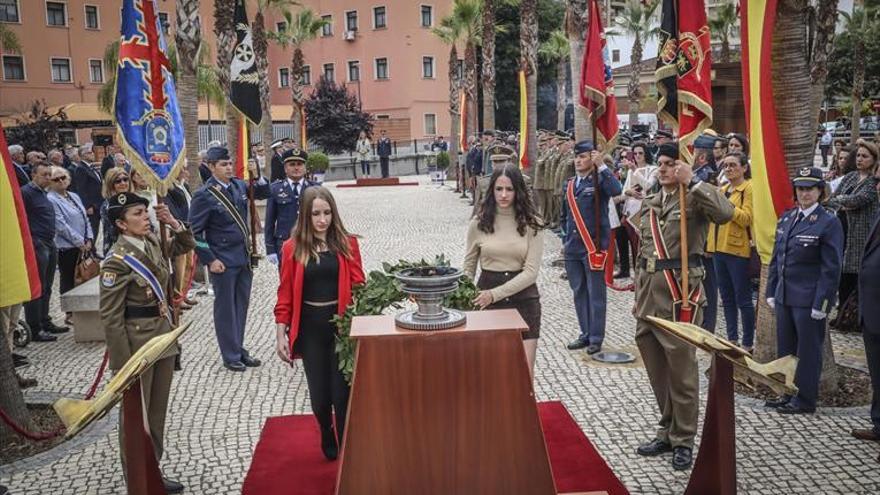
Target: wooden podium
(443, 412)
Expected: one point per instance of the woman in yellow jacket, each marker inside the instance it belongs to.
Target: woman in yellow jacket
(731, 244)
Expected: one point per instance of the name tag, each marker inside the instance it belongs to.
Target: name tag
(807, 240)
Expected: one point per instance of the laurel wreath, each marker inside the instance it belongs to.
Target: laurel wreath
(381, 292)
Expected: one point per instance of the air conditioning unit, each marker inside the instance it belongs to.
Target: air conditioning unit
(349, 35)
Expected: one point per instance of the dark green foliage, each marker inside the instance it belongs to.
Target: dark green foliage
(443, 160)
(334, 118)
(840, 62)
(38, 130)
(317, 162)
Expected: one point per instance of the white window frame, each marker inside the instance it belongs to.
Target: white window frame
(307, 69)
(433, 12)
(69, 66)
(86, 17)
(324, 70)
(376, 69)
(357, 20)
(288, 77)
(17, 9)
(348, 70)
(329, 26)
(46, 10)
(23, 66)
(433, 67)
(168, 18)
(103, 72)
(425, 124)
(374, 16)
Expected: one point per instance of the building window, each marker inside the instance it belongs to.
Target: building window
(163, 22)
(427, 16)
(56, 14)
(67, 136)
(284, 77)
(96, 71)
(327, 29)
(61, 70)
(92, 17)
(382, 68)
(428, 67)
(329, 72)
(354, 71)
(281, 26)
(379, 20)
(13, 68)
(383, 116)
(9, 11)
(306, 76)
(430, 124)
(351, 20)
(615, 55)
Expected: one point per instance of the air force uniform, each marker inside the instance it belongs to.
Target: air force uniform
(282, 207)
(224, 235)
(801, 286)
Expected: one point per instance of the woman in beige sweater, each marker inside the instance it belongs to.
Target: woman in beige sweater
(507, 240)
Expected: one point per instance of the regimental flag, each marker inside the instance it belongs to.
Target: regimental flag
(523, 122)
(772, 188)
(666, 73)
(243, 73)
(19, 277)
(694, 64)
(147, 116)
(597, 85)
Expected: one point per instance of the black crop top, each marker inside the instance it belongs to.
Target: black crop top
(321, 279)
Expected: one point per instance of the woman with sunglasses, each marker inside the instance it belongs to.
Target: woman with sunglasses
(73, 232)
(116, 181)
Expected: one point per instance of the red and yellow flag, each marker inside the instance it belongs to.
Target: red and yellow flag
(694, 63)
(597, 85)
(19, 278)
(243, 153)
(462, 121)
(523, 122)
(772, 187)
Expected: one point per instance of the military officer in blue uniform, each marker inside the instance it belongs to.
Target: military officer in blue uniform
(282, 207)
(802, 285)
(218, 218)
(583, 249)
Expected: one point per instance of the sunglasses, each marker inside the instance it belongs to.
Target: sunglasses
(121, 180)
(59, 179)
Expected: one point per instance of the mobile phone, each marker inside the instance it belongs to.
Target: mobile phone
(638, 188)
(630, 156)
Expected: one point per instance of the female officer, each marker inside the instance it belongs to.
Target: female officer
(134, 282)
(801, 286)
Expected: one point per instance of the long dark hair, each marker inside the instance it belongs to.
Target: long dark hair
(523, 208)
(742, 139)
(307, 245)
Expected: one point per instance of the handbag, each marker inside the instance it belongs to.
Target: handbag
(87, 268)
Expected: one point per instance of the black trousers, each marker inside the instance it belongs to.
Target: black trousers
(36, 312)
(872, 351)
(316, 343)
(67, 259)
(848, 284)
(365, 167)
(383, 165)
(95, 222)
(621, 237)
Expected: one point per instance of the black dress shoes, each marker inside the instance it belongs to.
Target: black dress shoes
(593, 349)
(777, 403)
(654, 447)
(172, 486)
(19, 361)
(328, 444)
(42, 336)
(865, 434)
(24, 383)
(250, 362)
(682, 458)
(577, 344)
(237, 366)
(53, 328)
(793, 409)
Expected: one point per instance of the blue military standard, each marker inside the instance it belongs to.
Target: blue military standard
(282, 207)
(219, 221)
(802, 285)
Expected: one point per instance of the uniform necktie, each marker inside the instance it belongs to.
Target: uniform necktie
(296, 189)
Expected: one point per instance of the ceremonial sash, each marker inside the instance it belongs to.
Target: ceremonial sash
(145, 273)
(671, 282)
(595, 257)
(233, 212)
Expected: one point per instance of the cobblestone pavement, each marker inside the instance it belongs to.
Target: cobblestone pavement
(215, 416)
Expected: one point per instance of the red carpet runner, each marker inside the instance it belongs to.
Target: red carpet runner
(288, 458)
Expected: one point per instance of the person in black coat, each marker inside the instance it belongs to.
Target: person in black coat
(22, 171)
(87, 182)
(383, 149)
(869, 318)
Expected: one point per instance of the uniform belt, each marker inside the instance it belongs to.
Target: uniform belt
(142, 311)
(653, 265)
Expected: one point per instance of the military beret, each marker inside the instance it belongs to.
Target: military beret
(584, 146)
(705, 142)
(668, 149)
(121, 202)
(294, 155)
(662, 133)
(809, 177)
(217, 153)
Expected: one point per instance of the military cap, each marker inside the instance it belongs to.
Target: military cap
(662, 133)
(276, 143)
(705, 142)
(624, 140)
(809, 177)
(562, 135)
(668, 149)
(217, 153)
(294, 155)
(584, 146)
(120, 202)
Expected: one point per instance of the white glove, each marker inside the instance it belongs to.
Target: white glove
(273, 258)
(817, 315)
(771, 301)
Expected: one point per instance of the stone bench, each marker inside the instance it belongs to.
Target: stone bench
(84, 302)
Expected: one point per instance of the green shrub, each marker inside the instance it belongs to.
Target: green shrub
(317, 162)
(442, 160)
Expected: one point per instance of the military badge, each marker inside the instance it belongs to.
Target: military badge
(804, 172)
(108, 279)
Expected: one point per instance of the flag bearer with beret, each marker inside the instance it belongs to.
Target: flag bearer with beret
(282, 207)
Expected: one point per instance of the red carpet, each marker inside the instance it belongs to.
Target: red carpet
(288, 458)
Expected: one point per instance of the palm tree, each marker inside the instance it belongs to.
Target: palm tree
(857, 25)
(9, 42)
(528, 57)
(449, 32)
(301, 28)
(188, 40)
(261, 50)
(488, 72)
(557, 50)
(723, 27)
(576, 31)
(466, 15)
(107, 93)
(637, 20)
(224, 30)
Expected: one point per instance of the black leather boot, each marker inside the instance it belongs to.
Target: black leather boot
(328, 443)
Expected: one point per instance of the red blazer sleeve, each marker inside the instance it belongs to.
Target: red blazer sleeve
(357, 267)
(284, 303)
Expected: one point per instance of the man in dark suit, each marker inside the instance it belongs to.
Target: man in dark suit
(22, 171)
(279, 147)
(87, 181)
(282, 207)
(869, 317)
(383, 149)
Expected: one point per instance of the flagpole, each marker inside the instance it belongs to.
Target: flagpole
(683, 240)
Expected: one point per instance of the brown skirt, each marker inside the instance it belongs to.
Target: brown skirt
(526, 301)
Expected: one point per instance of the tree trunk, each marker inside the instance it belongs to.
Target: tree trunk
(11, 399)
(634, 88)
(470, 78)
(765, 323)
(826, 22)
(576, 30)
(725, 50)
(858, 77)
(488, 44)
(560, 93)
(528, 40)
(454, 131)
(297, 65)
(261, 49)
(224, 30)
(188, 99)
(232, 119)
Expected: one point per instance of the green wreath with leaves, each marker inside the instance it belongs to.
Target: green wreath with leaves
(382, 291)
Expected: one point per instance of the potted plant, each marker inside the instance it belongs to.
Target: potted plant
(317, 165)
(441, 162)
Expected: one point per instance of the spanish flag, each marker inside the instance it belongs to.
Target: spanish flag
(462, 121)
(242, 154)
(19, 278)
(772, 188)
(523, 122)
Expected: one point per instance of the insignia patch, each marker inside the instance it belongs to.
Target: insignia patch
(122, 199)
(108, 279)
(805, 172)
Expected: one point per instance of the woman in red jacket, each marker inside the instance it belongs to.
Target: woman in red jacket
(322, 262)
